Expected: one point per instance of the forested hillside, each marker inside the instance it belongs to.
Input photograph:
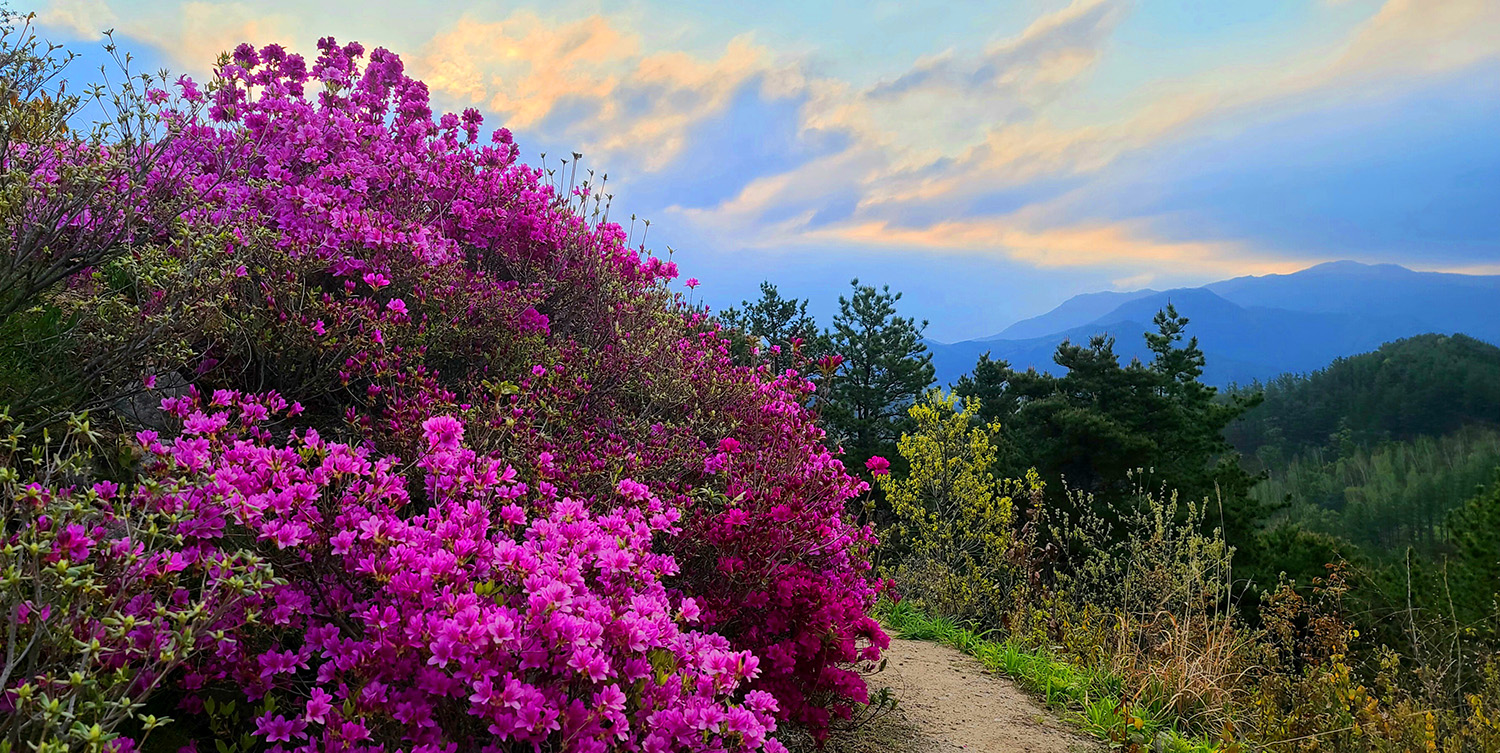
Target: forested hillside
(1383, 497)
(1378, 448)
(1428, 385)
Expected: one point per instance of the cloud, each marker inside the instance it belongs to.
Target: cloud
(191, 34)
(1134, 282)
(623, 101)
(628, 103)
(1021, 142)
(1462, 269)
(1421, 37)
(1405, 42)
(1091, 244)
(195, 33)
(899, 154)
(1007, 82)
(87, 19)
(1054, 49)
(522, 67)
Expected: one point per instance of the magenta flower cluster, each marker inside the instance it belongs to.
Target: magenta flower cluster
(501, 613)
(612, 536)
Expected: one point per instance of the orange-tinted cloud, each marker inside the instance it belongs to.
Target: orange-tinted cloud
(1093, 244)
(1399, 46)
(525, 69)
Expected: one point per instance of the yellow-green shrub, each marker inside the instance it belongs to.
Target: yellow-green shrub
(953, 516)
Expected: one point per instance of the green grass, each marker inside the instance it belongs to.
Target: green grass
(1087, 697)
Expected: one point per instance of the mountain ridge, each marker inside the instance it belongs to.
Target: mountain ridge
(1257, 327)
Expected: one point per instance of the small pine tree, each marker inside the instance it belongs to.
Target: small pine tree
(1089, 429)
(1474, 535)
(885, 369)
(774, 331)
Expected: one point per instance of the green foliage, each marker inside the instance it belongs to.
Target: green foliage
(1090, 429)
(1474, 563)
(93, 621)
(1387, 497)
(774, 331)
(70, 201)
(1141, 640)
(953, 529)
(886, 368)
(1429, 385)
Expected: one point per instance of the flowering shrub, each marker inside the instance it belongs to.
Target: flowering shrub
(384, 268)
(949, 546)
(502, 612)
(406, 270)
(103, 595)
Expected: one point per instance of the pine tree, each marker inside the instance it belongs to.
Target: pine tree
(1474, 536)
(1093, 427)
(885, 369)
(773, 330)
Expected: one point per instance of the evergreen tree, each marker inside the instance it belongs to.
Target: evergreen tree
(1474, 535)
(772, 331)
(885, 369)
(1094, 427)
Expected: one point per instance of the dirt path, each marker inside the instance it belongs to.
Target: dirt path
(948, 703)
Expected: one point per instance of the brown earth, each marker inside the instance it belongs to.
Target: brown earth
(947, 702)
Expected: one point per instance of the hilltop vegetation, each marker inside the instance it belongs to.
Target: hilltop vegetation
(1425, 386)
(1100, 527)
(1100, 520)
(332, 425)
(1386, 497)
(1378, 448)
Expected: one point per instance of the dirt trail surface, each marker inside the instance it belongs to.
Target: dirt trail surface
(948, 702)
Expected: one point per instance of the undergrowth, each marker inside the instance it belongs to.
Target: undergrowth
(1086, 696)
(1131, 618)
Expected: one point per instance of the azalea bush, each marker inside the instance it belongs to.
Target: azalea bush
(106, 593)
(502, 613)
(382, 267)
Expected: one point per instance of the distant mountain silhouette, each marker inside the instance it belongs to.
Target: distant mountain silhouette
(1074, 312)
(1256, 327)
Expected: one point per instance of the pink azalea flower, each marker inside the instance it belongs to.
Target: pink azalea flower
(279, 729)
(443, 432)
(319, 706)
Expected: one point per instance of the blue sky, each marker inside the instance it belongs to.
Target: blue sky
(987, 159)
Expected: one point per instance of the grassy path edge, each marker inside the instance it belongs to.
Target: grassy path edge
(1086, 697)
